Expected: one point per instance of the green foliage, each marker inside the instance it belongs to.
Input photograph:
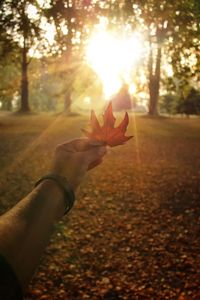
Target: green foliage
(47, 84)
(16, 22)
(50, 81)
(188, 102)
(170, 25)
(87, 84)
(168, 104)
(190, 105)
(19, 26)
(9, 75)
(73, 21)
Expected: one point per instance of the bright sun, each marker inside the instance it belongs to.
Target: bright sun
(114, 59)
(114, 56)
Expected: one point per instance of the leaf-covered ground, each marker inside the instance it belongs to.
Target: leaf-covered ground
(134, 232)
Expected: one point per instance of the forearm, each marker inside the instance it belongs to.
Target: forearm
(26, 228)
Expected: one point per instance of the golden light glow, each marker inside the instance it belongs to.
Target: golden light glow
(114, 58)
(48, 29)
(132, 88)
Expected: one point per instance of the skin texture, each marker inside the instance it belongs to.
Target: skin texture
(26, 228)
(73, 159)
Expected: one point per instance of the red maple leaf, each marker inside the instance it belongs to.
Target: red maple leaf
(107, 133)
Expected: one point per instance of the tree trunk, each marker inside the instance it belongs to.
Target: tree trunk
(24, 81)
(154, 82)
(67, 103)
(68, 57)
(9, 105)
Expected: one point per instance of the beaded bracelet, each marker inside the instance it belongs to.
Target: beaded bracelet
(65, 187)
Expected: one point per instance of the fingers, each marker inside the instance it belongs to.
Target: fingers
(79, 145)
(83, 153)
(95, 163)
(97, 143)
(84, 144)
(94, 154)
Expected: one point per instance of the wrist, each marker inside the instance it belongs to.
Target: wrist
(50, 191)
(64, 186)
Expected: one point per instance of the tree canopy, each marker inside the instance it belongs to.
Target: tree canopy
(58, 32)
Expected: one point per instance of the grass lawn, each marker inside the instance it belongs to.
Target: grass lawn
(134, 231)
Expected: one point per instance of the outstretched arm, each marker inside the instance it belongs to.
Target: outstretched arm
(26, 228)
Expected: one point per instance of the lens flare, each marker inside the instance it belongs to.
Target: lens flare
(114, 58)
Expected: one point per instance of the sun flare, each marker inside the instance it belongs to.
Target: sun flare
(114, 58)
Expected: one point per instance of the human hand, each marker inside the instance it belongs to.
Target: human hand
(74, 158)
